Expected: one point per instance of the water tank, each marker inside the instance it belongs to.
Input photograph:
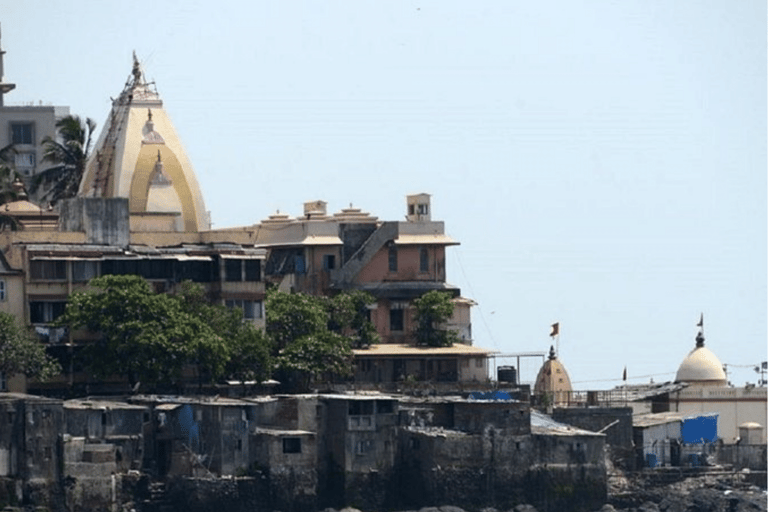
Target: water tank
(507, 374)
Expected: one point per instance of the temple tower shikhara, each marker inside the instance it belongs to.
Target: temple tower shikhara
(139, 157)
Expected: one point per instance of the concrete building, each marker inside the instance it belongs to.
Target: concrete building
(26, 126)
(140, 211)
(707, 391)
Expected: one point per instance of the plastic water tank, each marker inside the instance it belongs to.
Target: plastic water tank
(507, 374)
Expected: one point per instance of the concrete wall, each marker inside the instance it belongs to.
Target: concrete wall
(734, 407)
(595, 419)
(500, 470)
(292, 476)
(104, 220)
(477, 416)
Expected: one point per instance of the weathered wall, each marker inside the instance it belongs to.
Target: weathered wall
(752, 457)
(475, 417)
(595, 419)
(248, 494)
(500, 470)
(104, 220)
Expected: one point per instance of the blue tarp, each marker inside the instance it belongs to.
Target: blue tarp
(700, 429)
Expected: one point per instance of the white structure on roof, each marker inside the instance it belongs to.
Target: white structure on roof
(707, 391)
(139, 156)
(701, 367)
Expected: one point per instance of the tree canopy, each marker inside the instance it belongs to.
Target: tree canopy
(313, 336)
(433, 310)
(150, 337)
(22, 353)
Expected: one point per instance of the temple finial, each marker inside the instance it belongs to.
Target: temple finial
(700, 334)
(136, 69)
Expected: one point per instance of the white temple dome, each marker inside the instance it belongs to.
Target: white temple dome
(701, 366)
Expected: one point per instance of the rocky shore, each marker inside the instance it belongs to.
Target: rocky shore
(727, 492)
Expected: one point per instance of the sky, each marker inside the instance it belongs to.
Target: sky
(602, 163)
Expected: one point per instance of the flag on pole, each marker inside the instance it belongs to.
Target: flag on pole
(624, 376)
(701, 321)
(555, 329)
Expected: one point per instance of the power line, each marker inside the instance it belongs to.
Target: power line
(472, 292)
(628, 378)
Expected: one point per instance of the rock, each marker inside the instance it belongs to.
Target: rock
(524, 507)
(648, 506)
(607, 508)
(451, 508)
(349, 509)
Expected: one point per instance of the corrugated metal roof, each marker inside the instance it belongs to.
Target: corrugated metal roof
(401, 350)
(543, 424)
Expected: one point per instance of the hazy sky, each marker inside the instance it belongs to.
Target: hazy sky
(603, 163)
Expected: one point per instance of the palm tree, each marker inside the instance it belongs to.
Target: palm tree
(8, 192)
(68, 157)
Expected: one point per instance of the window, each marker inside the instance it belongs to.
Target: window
(479, 362)
(2, 290)
(291, 445)
(363, 447)
(393, 258)
(48, 270)
(251, 308)
(423, 209)
(395, 319)
(84, 271)
(329, 261)
(25, 160)
(233, 270)
(360, 407)
(385, 407)
(424, 260)
(252, 270)
(4, 387)
(298, 264)
(22, 133)
(43, 312)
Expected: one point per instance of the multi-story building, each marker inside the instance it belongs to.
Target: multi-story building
(140, 211)
(25, 127)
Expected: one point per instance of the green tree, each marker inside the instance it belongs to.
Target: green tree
(349, 315)
(68, 158)
(145, 336)
(433, 310)
(22, 353)
(305, 348)
(324, 354)
(250, 357)
(245, 354)
(291, 316)
(8, 186)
